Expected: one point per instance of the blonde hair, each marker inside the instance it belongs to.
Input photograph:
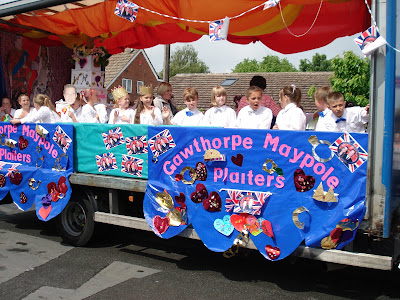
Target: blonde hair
(163, 88)
(216, 92)
(41, 99)
(190, 93)
(334, 96)
(322, 93)
(87, 93)
(293, 93)
(253, 89)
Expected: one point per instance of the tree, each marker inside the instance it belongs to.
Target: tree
(351, 77)
(270, 63)
(185, 60)
(319, 63)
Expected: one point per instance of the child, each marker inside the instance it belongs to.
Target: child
(122, 113)
(44, 112)
(291, 117)
(6, 110)
(351, 119)
(25, 109)
(190, 116)
(89, 113)
(145, 113)
(321, 103)
(254, 116)
(220, 115)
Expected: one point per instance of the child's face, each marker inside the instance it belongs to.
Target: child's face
(146, 99)
(320, 105)
(255, 100)
(191, 103)
(24, 102)
(337, 107)
(220, 100)
(124, 102)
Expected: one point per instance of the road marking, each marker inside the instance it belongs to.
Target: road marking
(116, 273)
(21, 252)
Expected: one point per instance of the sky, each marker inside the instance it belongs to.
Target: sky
(223, 56)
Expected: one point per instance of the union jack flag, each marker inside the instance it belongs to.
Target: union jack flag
(127, 10)
(367, 37)
(106, 162)
(62, 139)
(113, 138)
(132, 165)
(161, 143)
(136, 144)
(12, 169)
(245, 201)
(349, 152)
(214, 31)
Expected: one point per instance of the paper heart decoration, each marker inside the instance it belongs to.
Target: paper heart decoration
(303, 182)
(201, 171)
(253, 225)
(335, 235)
(44, 212)
(224, 225)
(178, 177)
(267, 228)
(160, 224)
(2, 180)
(15, 177)
(272, 252)
(23, 197)
(238, 222)
(213, 202)
(237, 160)
(22, 143)
(57, 191)
(82, 62)
(181, 200)
(199, 194)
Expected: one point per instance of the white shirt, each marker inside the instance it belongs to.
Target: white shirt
(355, 119)
(188, 117)
(65, 116)
(147, 118)
(88, 114)
(19, 111)
(102, 112)
(291, 118)
(321, 120)
(43, 115)
(254, 119)
(223, 116)
(129, 112)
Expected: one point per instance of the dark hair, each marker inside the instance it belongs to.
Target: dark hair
(259, 81)
(293, 92)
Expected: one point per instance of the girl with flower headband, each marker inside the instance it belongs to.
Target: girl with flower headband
(291, 117)
(145, 112)
(90, 112)
(122, 113)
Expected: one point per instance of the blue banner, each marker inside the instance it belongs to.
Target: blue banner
(35, 163)
(278, 188)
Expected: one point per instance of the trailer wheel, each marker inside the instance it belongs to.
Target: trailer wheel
(76, 222)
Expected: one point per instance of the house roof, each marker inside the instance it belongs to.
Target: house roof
(119, 62)
(275, 81)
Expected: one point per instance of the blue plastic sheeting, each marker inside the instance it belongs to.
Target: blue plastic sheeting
(34, 168)
(264, 183)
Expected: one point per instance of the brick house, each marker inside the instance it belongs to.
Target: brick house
(237, 83)
(131, 69)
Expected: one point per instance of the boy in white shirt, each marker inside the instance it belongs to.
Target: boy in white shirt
(190, 116)
(350, 119)
(254, 116)
(220, 115)
(321, 103)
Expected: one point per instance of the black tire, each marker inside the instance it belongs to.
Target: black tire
(76, 222)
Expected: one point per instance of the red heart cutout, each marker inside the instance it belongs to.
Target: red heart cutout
(199, 194)
(237, 160)
(267, 228)
(2, 180)
(44, 212)
(23, 197)
(15, 177)
(62, 187)
(160, 224)
(51, 187)
(335, 235)
(22, 143)
(201, 171)
(272, 252)
(302, 182)
(239, 222)
(213, 202)
(82, 62)
(181, 200)
(178, 177)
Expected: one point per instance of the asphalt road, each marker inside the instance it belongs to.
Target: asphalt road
(130, 264)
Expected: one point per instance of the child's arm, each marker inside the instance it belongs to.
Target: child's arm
(165, 115)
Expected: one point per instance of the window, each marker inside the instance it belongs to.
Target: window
(228, 81)
(127, 84)
(138, 85)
